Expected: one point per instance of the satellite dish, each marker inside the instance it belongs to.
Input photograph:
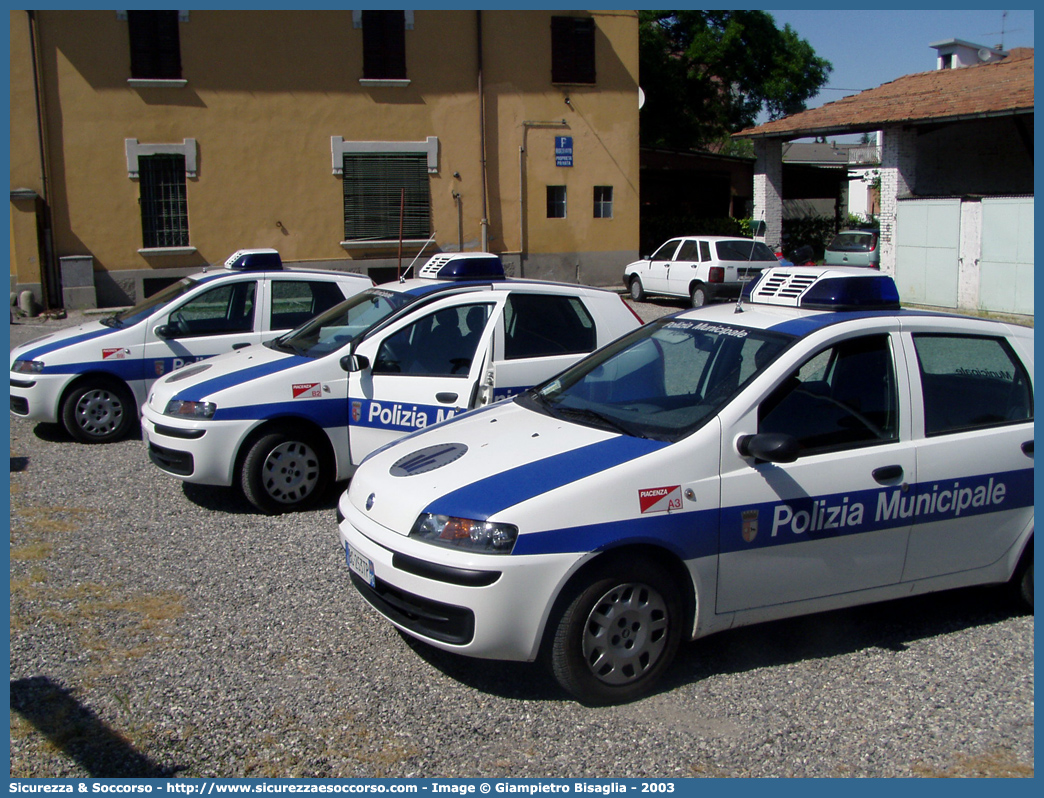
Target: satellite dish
(985, 54)
(641, 98)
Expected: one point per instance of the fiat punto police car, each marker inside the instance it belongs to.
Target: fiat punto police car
(809, 448)
(284, 419)
(94, 377)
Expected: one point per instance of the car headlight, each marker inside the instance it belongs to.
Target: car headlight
(28, 366)
(178, 407)
(465, 533)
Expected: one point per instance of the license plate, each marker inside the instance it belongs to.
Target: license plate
(745, 278)
(363, 566)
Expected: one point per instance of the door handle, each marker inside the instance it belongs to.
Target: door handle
(886, 474)
(240, 346)
(1027, 448)
(445, 397)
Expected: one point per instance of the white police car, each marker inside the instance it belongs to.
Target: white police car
(284, 419)
(94, 377)
(812, 447)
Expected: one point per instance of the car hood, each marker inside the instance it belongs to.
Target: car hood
(207, 379)
(482, 463)
(39, 348)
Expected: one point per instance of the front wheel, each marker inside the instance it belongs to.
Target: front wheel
(98, 411)
(284, 470)
(637, 291)
(617, 636)
(699, 295)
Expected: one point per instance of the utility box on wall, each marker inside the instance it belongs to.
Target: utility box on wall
(78, 282)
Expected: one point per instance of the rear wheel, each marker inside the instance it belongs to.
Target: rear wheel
(637, 291)
(699, 295)
(98, 411)
(284, 470)
(1022, 580)
(618, 634)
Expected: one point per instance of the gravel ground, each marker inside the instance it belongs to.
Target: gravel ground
(159, 629)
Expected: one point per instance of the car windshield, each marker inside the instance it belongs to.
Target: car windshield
(662, 381)
(744, 250)
(852, 242)
(131, 316)
(342, 323)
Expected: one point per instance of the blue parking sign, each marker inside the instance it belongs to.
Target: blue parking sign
(563, 150)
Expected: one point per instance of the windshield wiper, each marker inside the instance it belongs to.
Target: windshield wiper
(112, 321)
(600, 418)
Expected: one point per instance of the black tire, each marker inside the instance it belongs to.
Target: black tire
(1022, 580)
(618, 634)
(285, 470)
(97, 410)
(699, 296)
(637, 291)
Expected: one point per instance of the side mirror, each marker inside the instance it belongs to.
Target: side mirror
(166, 331)
(772, 447)
(353, 363)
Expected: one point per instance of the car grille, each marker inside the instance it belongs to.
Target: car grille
(172, 462)
(442, 622)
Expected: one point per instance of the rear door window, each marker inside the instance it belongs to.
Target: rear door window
(296, 301)
(538, 325)
(971, 382)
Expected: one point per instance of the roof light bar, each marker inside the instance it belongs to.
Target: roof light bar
(463, 266)
(254, 260)
(823, 289)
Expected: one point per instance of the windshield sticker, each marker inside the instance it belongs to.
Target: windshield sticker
(660, 500)
(703, 326)
(424, 460)
(115, 354)
(308, 390)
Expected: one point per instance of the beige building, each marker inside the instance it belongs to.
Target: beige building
(145, 144)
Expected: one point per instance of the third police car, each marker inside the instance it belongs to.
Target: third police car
(94, 377)
(284, 419)
(811, 447)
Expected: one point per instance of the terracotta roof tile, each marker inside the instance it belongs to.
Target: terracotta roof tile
(998, 89)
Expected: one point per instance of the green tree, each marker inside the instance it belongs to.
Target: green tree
(707, 74)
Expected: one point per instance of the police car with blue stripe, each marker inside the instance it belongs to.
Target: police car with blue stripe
(94, 377)
(812, 447)
(284, 420)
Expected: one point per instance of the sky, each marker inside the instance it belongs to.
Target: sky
(871, 47)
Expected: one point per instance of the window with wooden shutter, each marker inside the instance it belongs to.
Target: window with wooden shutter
(155, 46)
(572, 50)
(384, 45)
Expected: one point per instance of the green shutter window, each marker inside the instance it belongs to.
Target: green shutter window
(376, 186)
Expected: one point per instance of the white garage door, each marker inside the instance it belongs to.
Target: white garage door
(1006, 266)
(927, 243)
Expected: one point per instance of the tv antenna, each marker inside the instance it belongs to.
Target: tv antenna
(1003, 30)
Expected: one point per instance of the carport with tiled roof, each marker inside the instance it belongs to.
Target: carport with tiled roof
(957, 160)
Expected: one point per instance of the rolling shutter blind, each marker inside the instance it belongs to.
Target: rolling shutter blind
(373, 185)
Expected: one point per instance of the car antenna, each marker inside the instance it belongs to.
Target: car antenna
(750, 257)
(402, 277)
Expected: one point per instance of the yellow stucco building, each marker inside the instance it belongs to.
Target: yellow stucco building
(145, 144)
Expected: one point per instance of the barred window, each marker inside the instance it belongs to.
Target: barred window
(384, 45)
(164, 206)
(155, 46)
(572, 50)
(377, 186)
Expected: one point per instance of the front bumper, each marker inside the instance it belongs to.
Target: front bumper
(486, 606)
(203, 452)
(36, 397)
